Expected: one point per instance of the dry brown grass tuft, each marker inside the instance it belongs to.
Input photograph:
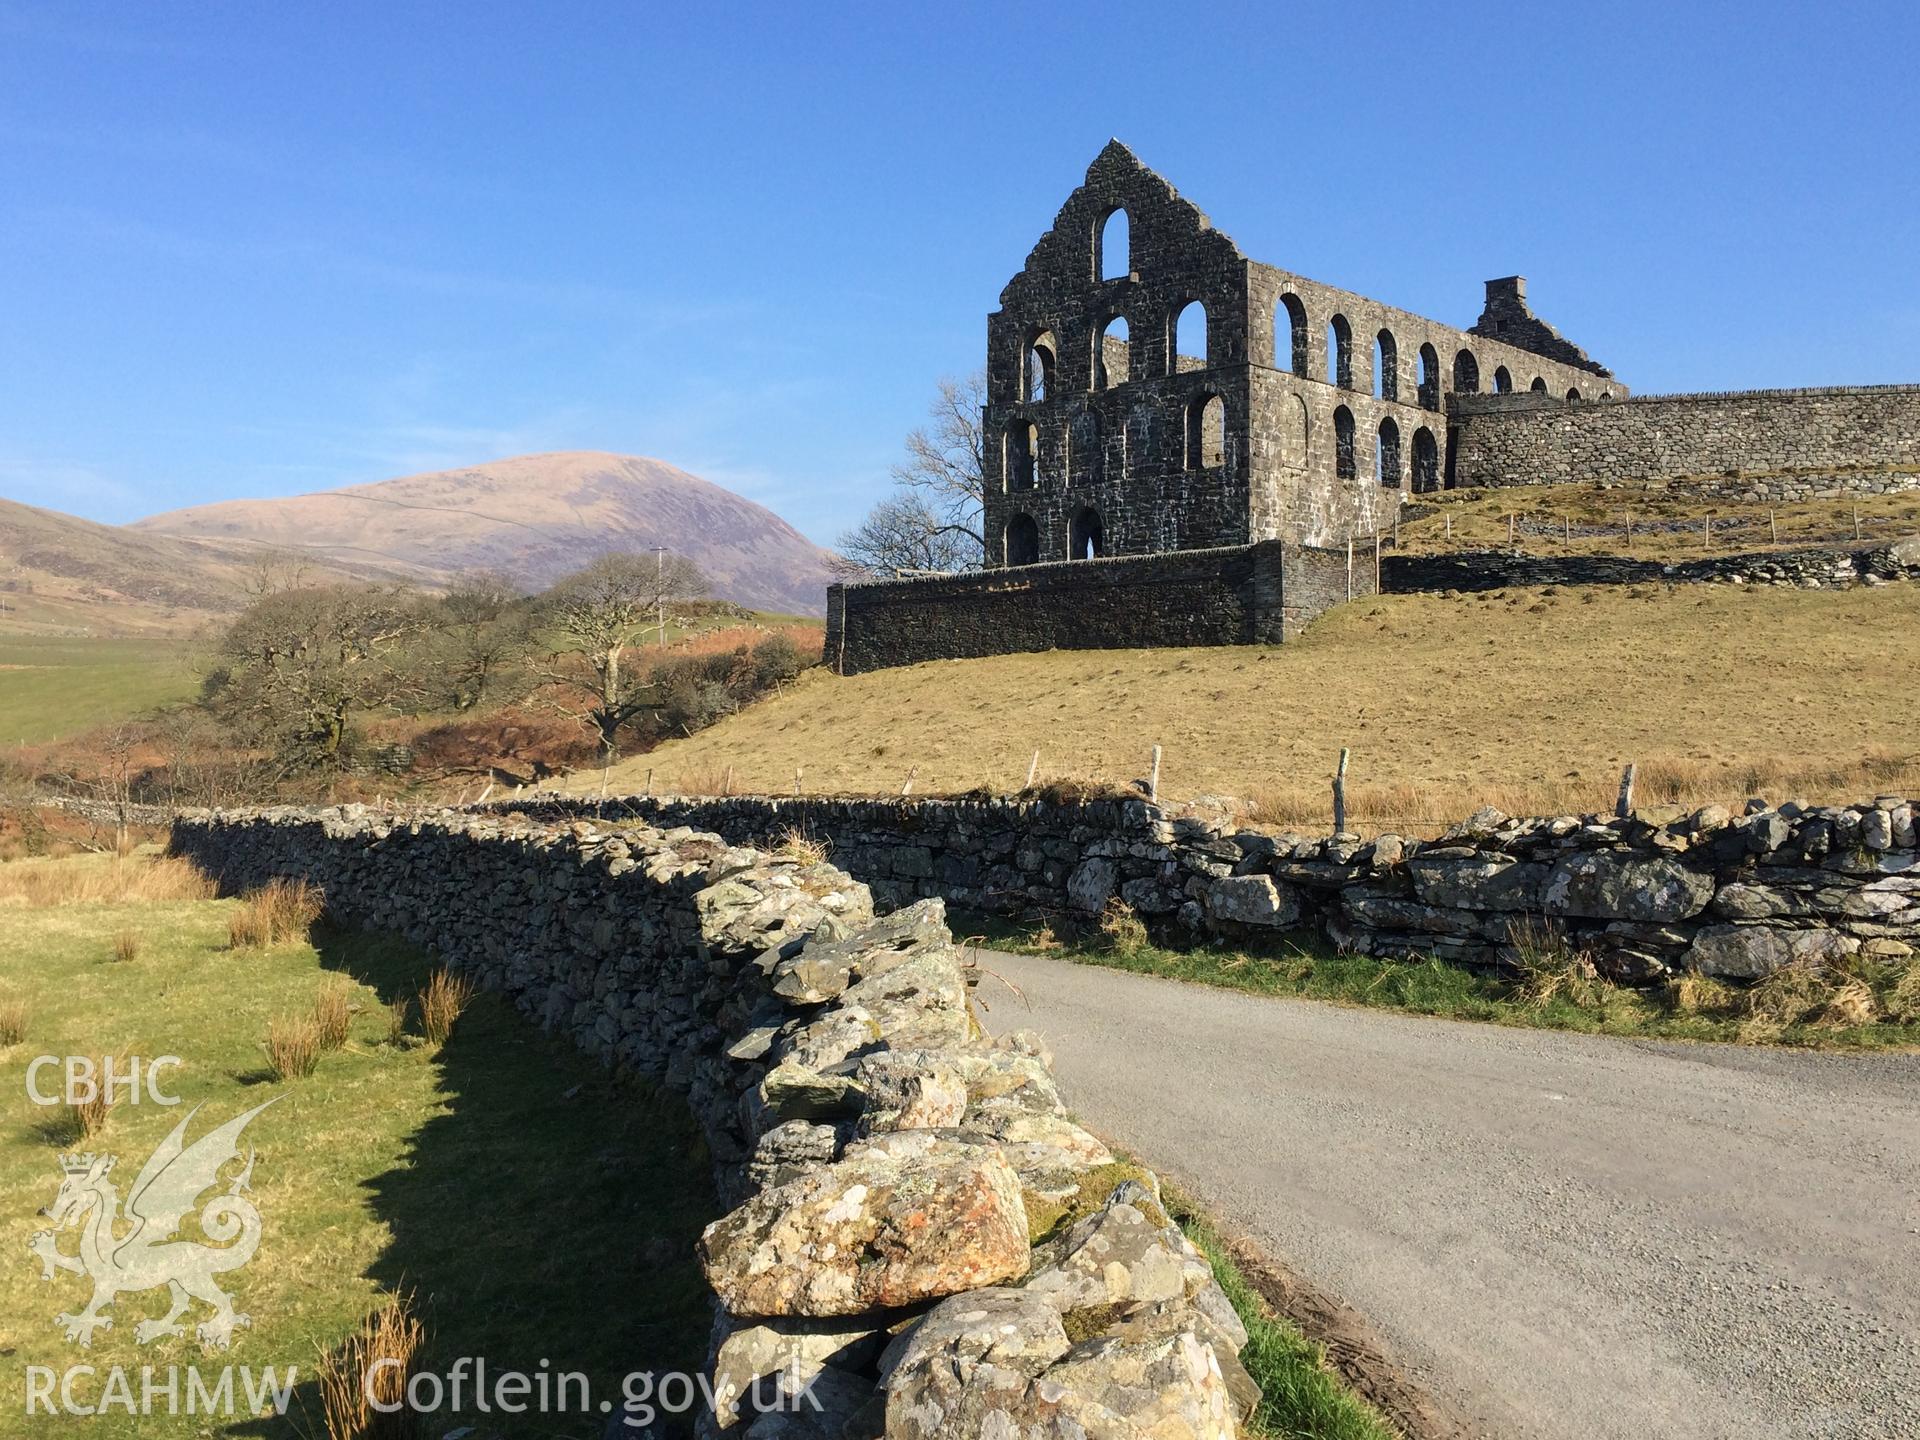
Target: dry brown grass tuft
(1691, 993)
(1903, 995)
(126, 946)
(1121, 930)
(398, 1010)
(441, 1002)
(292, 1046)
(1550, 968)
(1792, 995)
(278, 912)
(1851, 1004)
(102, 880)
(333, 1011)
(86, 1118)
(801, 848)
(360, 1401)
(15, 1014)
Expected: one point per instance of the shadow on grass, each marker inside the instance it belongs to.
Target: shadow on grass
(543, 1220)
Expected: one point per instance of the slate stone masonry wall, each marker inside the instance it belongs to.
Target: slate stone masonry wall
(1235, 595)
(1647, 895)
(885, 1158)
(1760, 445)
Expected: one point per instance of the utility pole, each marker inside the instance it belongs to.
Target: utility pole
(660, 590)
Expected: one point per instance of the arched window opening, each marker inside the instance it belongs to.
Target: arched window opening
(1386, 366)
(1187, 339)
(1605, 396)
(1023, 444)
(1086, 538)
(1290, 321)
(1466, 374)
(1502, 381)
(1022, 540)
(1426, 461)
(1206, 432)
(1111, 354)
(1340, 353)
(1344, 467)
(1040, 366)
(1429, 378)
(1113, 257)
(1539, 386)
(1086, 465)
(1386, 455)
(1574, 393)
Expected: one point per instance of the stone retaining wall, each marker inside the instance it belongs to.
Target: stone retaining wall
(1767, 446)
(1660, 892)
(887, 1160)
(1233, 595)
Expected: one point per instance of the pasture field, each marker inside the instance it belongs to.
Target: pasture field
(53, 687)
(1528, 699)
(532, 1207)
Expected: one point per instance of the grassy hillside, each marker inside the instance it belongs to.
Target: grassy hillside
(1528, 699)
(53, 687)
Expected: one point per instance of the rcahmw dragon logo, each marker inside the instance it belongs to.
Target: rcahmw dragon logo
(146, 1257)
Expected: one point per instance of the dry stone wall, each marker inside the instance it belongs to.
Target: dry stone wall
(1769, 446)
(1814, 568)
(910, 1198)
(1649, 895)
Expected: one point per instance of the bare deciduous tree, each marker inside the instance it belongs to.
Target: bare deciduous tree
(932, 521)
(484, 631)
(298, 664)
(603, 610)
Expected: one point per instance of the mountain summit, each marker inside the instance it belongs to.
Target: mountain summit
(534, 518)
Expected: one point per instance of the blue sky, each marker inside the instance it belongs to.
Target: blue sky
(261, 249)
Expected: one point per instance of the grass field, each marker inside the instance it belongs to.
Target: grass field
(54, 687)
(1530, 700)
(535, 1209)
(1868, 1006)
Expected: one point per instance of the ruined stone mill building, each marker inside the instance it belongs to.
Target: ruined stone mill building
(1184, 445)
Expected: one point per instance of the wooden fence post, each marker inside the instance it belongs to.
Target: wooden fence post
(1376, 562)
(1511, 518)
(1624, 806)
(1567, 520)
(726, 782)
(907, 788)
(1033, 769)
(1349, 565)
(1340, 794)
(1773, 527)
(1856, 522)
(799, 776)
(1153, 780)
(1449, 529)
(1709, 532)
(649, 789)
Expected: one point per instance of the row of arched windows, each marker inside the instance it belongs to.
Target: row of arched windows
(1111, 362)
(1203, 442)
(1204, 438)
(1086, 537)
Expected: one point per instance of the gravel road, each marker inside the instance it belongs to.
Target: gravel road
(1559, 1235)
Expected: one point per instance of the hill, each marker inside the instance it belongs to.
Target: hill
(535, 518)
(60, 575)
(1530, 700)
